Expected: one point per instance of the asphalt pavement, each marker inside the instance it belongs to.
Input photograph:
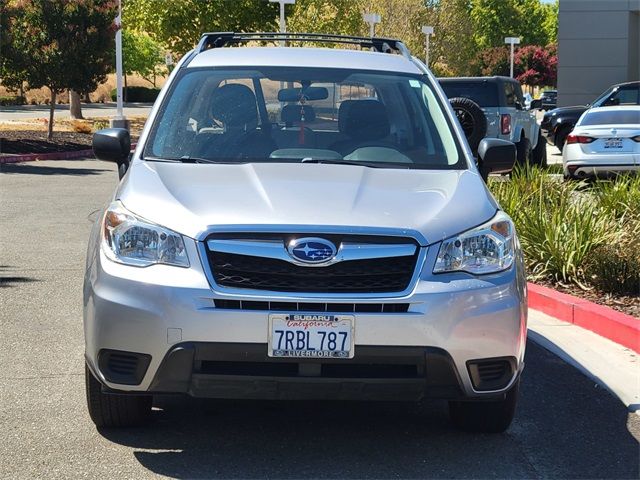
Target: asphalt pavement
(566, 426)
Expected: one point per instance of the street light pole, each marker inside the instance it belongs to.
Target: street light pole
(283, 22)
(372, 19)
(428, 31)
(119, 121)
(511, 41)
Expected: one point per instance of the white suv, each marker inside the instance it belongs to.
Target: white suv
(302, 223)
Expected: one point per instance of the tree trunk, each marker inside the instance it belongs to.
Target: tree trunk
(124, 91)
(75, 107)
(87, 98)
(52, 107)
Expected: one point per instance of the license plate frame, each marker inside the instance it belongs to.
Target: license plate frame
(613, 144)
(311, 324)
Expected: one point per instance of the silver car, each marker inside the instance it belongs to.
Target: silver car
(606, 140)
(303, 223)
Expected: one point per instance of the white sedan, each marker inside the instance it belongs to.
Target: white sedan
(604, 141)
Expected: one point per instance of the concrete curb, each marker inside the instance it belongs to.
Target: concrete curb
(616, 326)
(32, 157)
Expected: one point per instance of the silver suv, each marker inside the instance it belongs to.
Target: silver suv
(303, 223)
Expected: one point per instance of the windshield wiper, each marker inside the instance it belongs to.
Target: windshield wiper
(356, 163)
(185, 159)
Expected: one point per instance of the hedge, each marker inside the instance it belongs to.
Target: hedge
(137, 94)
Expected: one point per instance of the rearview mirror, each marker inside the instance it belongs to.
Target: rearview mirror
(536, 104)
(496, 156)
(296, 94)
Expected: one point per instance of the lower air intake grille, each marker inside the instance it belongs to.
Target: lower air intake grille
(127, 368)
(493, 374)
(313, 307)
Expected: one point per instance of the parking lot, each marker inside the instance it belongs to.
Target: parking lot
(565, 427)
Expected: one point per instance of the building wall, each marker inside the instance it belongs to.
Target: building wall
(597, 47)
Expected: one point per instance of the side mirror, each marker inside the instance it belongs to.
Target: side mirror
(112, 145)
(518, 105)
(496, 155)
(536, 104)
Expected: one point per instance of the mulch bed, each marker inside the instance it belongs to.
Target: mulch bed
(629, 304)
(31, 141)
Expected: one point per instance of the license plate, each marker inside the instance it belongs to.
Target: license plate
(311, 335)
(613, 143)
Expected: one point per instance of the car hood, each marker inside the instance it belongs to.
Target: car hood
(194, 198)
(575, 110)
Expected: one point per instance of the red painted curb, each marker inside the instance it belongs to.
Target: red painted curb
(607, 322)
(32, 157)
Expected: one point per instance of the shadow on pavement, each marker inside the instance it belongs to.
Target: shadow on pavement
(12, 280)
(29, 169)
(565, 428)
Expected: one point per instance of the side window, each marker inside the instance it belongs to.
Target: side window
(510, 94)
(626, 96)
(519, 95)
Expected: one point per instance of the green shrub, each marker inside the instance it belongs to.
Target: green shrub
(615, 269)
(620, 197)
(137, 94)
(559, 225)
(12, 100)
(100, 124)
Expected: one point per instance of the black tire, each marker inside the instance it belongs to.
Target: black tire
(487, 417)
(108, 410)
(539, 154)
(561, 137)
(472, 119)
(523, 151)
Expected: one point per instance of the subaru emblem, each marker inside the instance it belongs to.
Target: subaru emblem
(311, 250)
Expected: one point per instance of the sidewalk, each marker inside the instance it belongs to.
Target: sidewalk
(608, 364)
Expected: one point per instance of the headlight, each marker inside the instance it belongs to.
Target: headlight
(488, 248)
(131, 240)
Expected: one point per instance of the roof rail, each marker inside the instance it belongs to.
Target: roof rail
(222, 39)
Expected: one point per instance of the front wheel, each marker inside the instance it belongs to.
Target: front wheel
(488, 417)
(109, 410)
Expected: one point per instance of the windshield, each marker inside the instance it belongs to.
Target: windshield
(612, 117)
(289, 114)
(603, 97)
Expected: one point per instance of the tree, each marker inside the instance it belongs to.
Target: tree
(533, 65)
(178, 24)
(68, 43)
(537, 66)
(550, 23)
(495, 61)
(142, 55)
(452, 51)
(320, 16)
(12, 63)
(492, 20)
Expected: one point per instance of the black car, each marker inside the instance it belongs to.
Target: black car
(558, 123)
(549, 99)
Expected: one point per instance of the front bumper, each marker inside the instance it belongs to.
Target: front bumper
(166, 313)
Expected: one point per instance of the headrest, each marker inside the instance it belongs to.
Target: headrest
(363, 119)
(235, 106)
(293, 113)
